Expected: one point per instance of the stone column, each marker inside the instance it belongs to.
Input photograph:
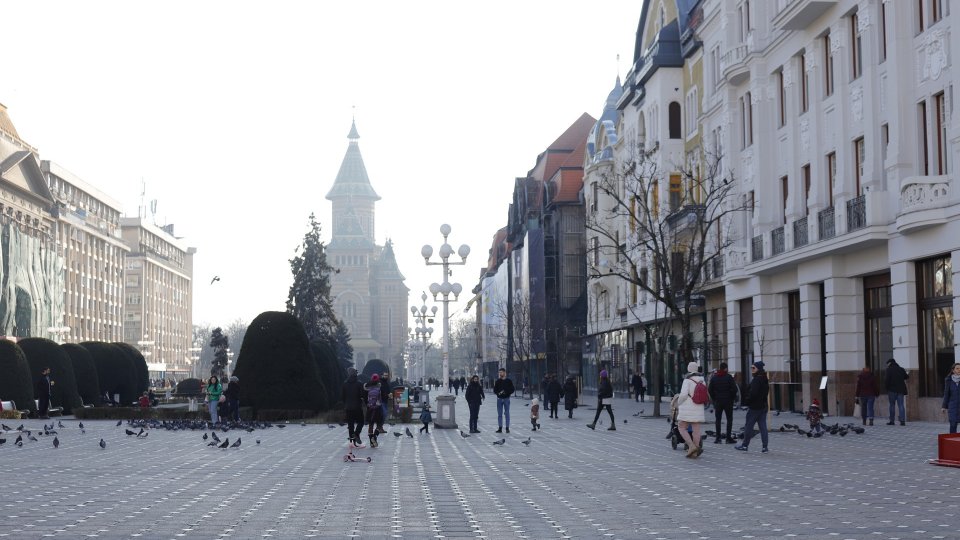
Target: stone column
(845, 341)
(810, 350)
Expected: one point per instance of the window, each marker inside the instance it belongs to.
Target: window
(879, 318)
(884, 140)
(746, 121)
(673, 111)
(805, 170)
(920, 15)
(923, 150)
(936, 11)
(693, 110)
(793, 325)
(856, 51)
(595, 250)
(752, 202)
(655, 198)
(940, 122)
(804, 86)
(781, 98)
(883, 31)
(716, 67)
(858, 159)
(831, 176)
(827, 67)
(784, 191)
(594, 194)
(676, 192)
(935, 305)
(744, 13)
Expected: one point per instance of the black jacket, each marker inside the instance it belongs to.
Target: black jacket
(757, 392)
(474, 393)
(604, 389)
(896, 378)
(43, 387)
(554, 391)
(353, 395)
(232, 391)
(503, 388)
(722, 388)
(569, 394)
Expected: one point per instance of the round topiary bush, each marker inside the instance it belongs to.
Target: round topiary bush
(136, 358)
(275, 368)
(84, 372)
(189, 387)
(43, 353)
(372, 366)
(115, 371)
(332, 373)
(15, 382)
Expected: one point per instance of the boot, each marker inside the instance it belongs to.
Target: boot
(716, 441)
(870, 420)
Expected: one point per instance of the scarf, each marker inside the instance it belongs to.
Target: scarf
(721, 372)
(956, 378)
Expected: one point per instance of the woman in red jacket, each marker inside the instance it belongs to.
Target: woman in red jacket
(867, 392)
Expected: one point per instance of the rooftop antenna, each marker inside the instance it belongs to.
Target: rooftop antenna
(142, 209)
(618, 66)
(153, 210)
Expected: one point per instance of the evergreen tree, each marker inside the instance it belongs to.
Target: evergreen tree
(342, 343)
(309, 298)
(220, 343)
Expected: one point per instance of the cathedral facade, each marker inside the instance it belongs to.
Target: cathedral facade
(368, 291)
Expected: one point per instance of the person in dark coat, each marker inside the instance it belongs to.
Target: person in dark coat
(43, 392)
(951, 397)
(723, 394)
(554, 392)
(354, 399)
(866, 393)
(570, 394)
(637, 383)
(232, 394)
(896, 390)
(503, 388)
(604, 401)
(475, 397)
(757, 402)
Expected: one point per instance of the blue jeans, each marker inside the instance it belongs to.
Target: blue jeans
(866, 407)
(896, 399)
(759, 417)
(212, 405)
(503, 408)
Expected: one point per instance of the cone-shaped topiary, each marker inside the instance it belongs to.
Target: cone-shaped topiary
(84, 372)
(41, 353)
(189, 386)
(275, 368)
(115, 371)
(332, 374)
(15, 382)
(136, 358)
(372, 366)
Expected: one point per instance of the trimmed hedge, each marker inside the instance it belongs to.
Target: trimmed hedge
(142, 374)
(84, 373)
(372, 366)
(331, 372)
(15, 382)
(115, 371)
(41, 353)
(275, 367)
(190, 387)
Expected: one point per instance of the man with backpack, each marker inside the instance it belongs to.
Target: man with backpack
(692, 397)
(723, 392)
(374, 409)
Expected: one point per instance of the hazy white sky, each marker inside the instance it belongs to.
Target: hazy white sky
(235, 114)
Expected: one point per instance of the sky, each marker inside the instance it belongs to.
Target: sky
(234, 117)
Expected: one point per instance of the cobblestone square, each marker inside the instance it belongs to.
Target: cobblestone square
(569, 482)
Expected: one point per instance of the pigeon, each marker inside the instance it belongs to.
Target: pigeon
(225, 444)
(526, 442)
(205, 436)
(32, 438)
(6, 427)
(638, 414)
(408, 433)
(60, 424)
(236, 444)
(20, 428)
(331, 426)
(624, 421)
(303, 424)
(19, 441)
(81, 425)
(281, 426)
(103, 444)
(212, 443)
(56, 442)
(258, 441)
(215, 279)
(397, 434)
(119, 422)
(3, 441)
(213, 434)
(130, 432)
(501, 442)
(463, 435)
(142, 435)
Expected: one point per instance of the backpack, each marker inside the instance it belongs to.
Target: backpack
(700, 394)
(373, 397)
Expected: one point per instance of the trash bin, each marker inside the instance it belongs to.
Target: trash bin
(446, 413)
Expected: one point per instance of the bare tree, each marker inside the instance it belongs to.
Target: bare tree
(522, 335)
(665, 235)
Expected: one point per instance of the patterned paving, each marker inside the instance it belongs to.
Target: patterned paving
(569, 482)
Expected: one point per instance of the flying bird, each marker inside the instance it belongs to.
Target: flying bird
(103, 444)
(56, 442)
(225, 444)
(215, 279)
(236, 444)
(500, 442)
(464, 435)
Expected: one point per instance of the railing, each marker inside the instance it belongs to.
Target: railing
(856, 213)
(825, 220)
(776, 241)
(800, 232)
(733, 56)
(757, 248)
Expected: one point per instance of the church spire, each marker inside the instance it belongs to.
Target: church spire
(352, 180)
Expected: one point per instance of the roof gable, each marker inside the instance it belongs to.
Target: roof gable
(22, 170)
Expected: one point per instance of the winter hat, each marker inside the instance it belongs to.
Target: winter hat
(603, 374)
(693, 367)
(234, 378)
(374, 377)
(815, 403)
(759, 365)
(535, 401)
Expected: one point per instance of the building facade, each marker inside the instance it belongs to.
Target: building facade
(368, 290)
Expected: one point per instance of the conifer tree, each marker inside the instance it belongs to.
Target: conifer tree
(309, 298)
(219, 343)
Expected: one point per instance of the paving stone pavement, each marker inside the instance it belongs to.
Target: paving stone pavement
(570, 482)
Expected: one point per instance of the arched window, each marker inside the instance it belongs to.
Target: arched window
(675, 120)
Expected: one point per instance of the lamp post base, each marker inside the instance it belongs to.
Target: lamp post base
(446, 412)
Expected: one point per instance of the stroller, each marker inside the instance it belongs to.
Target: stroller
(675, 438)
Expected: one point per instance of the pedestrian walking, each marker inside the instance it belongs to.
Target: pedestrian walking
(233, 398)
(690, 413)
(604, 401)
(757, 407)
(44, 389)
(425, 418)
(214, 393)
(535, 414)
(570, 394)
(896, 390)
(354, 399)
(475, 397)
(637, 383)
(543, 390)
(554, 392)
(951, 397)
(723, 393)
(503, 389)
(867, 392)
(643, 386)
(815, 418)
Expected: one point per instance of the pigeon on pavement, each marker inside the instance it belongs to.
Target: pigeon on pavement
(32, 438)
(103, 444)
(205, 436)
(130, 432)
(5, 427)
(463, 435)
(119, 422)
(225, 444)
(526, 442)
(236, 444)
(56, 442)
(500, 442)
(397, 434)
(214, 435)
(408, 433)
(258, 441)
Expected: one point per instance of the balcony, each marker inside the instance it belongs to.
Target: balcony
(798, 14)
(856, 213)
(800, 233)
(776, 241)
(686, 216)
(827, 226)
(923, 202)
(757, 248)
(733, 65)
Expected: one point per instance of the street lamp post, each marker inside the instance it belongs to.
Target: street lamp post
(423, 333)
